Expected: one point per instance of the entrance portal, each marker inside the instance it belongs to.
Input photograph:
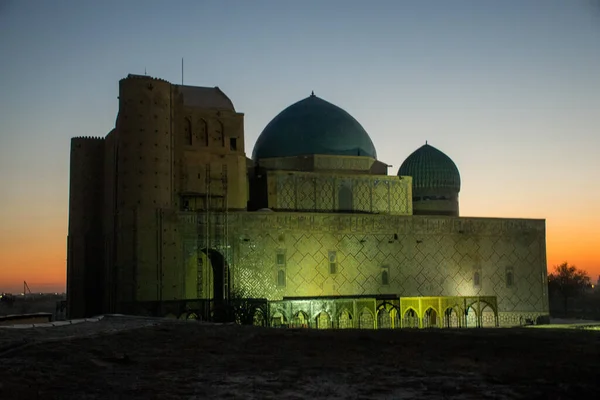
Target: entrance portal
(220, 274)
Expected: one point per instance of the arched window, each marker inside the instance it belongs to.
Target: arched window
(203, 132)
(332, 262)
(220, 134)
(345, 198)
(187, 130)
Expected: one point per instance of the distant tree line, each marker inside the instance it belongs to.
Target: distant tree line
(572, 294)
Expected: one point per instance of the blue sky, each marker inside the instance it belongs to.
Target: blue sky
(509, 89)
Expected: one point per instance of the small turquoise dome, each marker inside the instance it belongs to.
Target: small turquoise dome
(313, 126)
(431, 169)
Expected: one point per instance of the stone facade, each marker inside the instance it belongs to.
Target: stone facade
(167, 216)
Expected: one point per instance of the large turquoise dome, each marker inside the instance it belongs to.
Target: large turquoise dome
(431, 169)
(313, 126)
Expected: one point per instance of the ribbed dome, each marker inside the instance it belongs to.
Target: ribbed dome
(431, 169)
(313, 126)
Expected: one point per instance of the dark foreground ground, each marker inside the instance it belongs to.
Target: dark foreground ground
(125, 358)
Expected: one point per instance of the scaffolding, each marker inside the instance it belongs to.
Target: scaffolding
(214, 230)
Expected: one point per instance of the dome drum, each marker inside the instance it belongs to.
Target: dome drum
(326, 163)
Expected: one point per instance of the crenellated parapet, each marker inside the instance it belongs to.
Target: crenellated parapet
(87, 138)
(143, 77)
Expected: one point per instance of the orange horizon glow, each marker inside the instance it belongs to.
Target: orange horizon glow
(38, 259)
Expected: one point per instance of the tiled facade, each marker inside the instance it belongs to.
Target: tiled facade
(328, 255)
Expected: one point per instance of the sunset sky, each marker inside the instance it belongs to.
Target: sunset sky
(510, 90)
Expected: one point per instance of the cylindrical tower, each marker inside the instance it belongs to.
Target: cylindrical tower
(436, 181)
(145, 143)
(143, 185)
(85, 249)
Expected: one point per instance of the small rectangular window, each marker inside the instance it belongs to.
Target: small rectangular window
(233, 144)
(510, 278)
(281, 278)
(385, 276)
(280, 260)
(332, 262)
(477, 279)
(332, 268)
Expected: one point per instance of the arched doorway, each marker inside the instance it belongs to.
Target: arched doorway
(278, 320)
(217, 272)
(323, 320)
(451, 318)
(384, 321)
(410, 319)
(213, 273)
(258, 319)
(471, 318)
(387, 316)
(300, 320)
(430, 318)
(489, 315)
(345, 320)
(366, 320)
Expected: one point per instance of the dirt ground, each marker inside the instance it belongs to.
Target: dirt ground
(130, 358)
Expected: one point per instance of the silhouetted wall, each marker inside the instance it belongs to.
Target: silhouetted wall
(85, 243)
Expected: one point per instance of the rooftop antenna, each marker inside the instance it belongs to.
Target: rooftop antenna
(181, 71)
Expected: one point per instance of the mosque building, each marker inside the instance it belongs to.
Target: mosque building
(168, 217)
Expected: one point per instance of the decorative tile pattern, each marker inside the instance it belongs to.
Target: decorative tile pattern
(361, 195)
(325, 195)
(426, 256)
(381, 200)
(307, 191)
(319, 163)
(340, 163)
(286, 193)
(306, 195)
